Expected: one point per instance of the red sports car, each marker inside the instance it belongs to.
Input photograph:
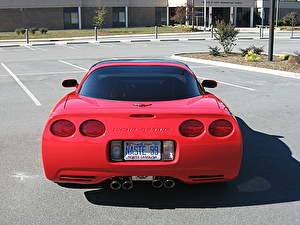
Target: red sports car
(141, 120)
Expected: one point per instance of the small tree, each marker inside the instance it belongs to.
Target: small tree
(180, 15)
(226, 34)
(99, 19)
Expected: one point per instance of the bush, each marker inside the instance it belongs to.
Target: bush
(296, 58)
(280, 22)
(252, 57)
(226, 35)
(257, 50)
(215, 51)
(18, 31)
(32, 31)
(193, 28)
(23, 30)
(287, 19)
(285, 56)
(43, 30)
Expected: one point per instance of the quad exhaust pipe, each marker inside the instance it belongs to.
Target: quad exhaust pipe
(127, 184)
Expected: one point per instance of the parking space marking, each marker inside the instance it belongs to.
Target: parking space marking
(46, 73)
(64, 45)
(107, 45)
(32, 49)
(70, 64)
(233, 85)
(33, 98)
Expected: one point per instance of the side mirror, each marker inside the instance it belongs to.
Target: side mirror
(209, 83)
(70, 83)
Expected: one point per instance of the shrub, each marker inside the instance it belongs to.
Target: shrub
(193, 28)
(285, 56)
(287, 19)
(257, 50)
(252, 57)
(32, 30)
(18, 31)
(226, 35)
(43, 30)
(296, 58)
(280, 22)
(215, 51)
(22, 30)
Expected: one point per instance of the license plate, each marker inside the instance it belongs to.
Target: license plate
(142, 150)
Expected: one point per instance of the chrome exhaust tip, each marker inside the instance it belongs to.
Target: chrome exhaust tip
(127, 184)
(115, 185)
(169, 183)
(157, 183)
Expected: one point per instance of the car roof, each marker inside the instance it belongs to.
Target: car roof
(159, 61)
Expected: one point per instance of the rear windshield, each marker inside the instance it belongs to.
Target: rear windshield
(140, 83)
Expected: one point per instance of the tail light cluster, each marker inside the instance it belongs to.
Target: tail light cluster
(191, 128)
(90, 128)
(218, 128)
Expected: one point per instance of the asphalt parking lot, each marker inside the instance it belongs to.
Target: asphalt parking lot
(266, 106)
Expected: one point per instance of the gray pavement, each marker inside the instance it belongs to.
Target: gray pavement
(266, 105)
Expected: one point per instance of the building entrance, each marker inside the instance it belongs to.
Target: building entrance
(220, 14)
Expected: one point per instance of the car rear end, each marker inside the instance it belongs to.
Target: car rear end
(141, 120)
(184, 144)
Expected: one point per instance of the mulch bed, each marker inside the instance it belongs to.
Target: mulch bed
(236, 58)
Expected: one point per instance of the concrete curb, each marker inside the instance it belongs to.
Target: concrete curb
(55, 42)
(240, 67)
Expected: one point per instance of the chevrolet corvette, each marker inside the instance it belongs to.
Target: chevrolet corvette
(141, 120)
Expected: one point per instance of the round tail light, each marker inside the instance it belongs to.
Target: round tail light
(92, 128)
(191, 128)
(220, 128)
(62, 128)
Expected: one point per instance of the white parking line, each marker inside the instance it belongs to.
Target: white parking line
(46, 73)
(64, 45)
(70, 64)
(233, 85)
(34, 99)
(238, 86)
(32, 49)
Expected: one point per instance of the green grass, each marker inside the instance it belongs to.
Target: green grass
(290, 28)
(90, 32)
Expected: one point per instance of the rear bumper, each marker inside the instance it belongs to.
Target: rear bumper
(88, 162)
(96, 177)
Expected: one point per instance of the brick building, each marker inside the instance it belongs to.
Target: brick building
(78, 14)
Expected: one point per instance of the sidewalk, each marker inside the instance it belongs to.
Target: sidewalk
(245, 33)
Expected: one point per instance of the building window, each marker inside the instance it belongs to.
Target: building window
(160, 16)
(71, 20)
(119, 17)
